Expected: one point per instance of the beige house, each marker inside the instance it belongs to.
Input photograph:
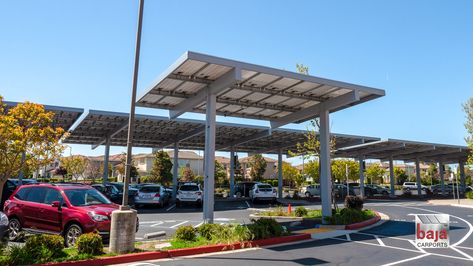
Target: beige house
(144, 162)
(271, 168)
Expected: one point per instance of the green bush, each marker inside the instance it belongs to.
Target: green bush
(301, 211)
(208, 230)
(469, 195)
(17, 255)
(89, 244)
(186, 233)
(349, 216)
(354, 202)
(265, 228)
(45, 247)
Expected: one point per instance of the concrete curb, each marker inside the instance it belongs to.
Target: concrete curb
(366, 223)
(154, 255)
(154, 234)
(462, 206)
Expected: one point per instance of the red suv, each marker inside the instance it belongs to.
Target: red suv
(64, 209)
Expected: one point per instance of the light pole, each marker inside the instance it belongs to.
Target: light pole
(123, 224)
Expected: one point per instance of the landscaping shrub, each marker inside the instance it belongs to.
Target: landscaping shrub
(349, 216)
(208, 230)
(469, 195)
(45, 247)
(354, 202)
(264, 228)
(301, 211)
(89, 244)
(186, 233)
(17, 255)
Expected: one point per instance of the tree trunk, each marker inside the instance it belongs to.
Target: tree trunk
(3, 180)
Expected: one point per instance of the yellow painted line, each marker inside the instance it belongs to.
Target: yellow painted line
(315, 230)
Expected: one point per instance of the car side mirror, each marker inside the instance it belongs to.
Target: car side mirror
(56, 204)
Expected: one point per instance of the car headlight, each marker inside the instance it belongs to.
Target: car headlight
(3, 219)
(98, 217)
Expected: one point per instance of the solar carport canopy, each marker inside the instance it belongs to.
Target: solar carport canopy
(249, 91)
(64, 117)
(160, 132)
(406, 151)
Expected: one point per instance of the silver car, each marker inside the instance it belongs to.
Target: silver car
(152, 195)
(311, 190)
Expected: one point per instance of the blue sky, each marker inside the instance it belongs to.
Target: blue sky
(80, 54)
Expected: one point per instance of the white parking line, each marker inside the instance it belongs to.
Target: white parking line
(348, 237)
(381, 243)
(170, 208)
(465, 247)
(176, 225)
(406, 260)
(247, 204)
(157, 224)
(419, 248)
(461, 252)
(199, 224)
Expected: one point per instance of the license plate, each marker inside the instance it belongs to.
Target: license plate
(147, 196)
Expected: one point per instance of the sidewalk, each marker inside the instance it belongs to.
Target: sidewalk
(464, 203)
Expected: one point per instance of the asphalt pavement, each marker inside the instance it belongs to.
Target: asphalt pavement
(388, 244)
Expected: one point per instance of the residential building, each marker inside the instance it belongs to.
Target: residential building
(271, 168)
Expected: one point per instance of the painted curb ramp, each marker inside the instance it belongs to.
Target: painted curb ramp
(155, 255)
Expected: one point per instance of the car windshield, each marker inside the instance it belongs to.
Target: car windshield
(264, 186)
(118, 186)
(85, 197)
(189, 188)
(150, 189)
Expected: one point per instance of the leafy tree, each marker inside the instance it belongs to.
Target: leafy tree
(187, 175)
(302, 69)
(401, 175)
(162, 167)
(290, 173)
(62, 172)
(258, 167)
(339, 170)
(27, 129)
(239, 174)
(94, 170)
(120, 168)
(220, 174)
(75, 165)
(468, 108)
(312, 170)
(375, 173)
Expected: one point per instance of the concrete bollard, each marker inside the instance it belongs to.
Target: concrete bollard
(122, 231)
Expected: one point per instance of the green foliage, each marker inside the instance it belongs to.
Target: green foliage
(302, 69)
(349, 216)
(147, 179)
(265, 228)
(162, 166)
(207, 230)
(90, 244)
(354, 202)
(187, 175)
(469, 195)
(312, 169)
(375, 173)
(220, 174)
(301, 211)
(186, 233)
(401, 175)
(468, 109)
(339, 170)
(258, 167)
(37, 249)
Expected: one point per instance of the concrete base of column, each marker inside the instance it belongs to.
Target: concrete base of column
(122, 231)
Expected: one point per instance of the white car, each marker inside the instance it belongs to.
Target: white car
(311, 190)
(189, 193)
(412, 185)
(262, 191)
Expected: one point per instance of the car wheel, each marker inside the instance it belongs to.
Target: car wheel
(72, 233)
(307, 194)
(238, 194)
(14, 229)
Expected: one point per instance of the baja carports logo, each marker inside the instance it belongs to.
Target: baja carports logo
(432, 230)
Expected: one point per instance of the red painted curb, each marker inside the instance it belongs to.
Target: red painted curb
(154, 255)
(364, 223)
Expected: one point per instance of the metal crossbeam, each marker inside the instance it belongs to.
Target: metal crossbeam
(255, 136)
(185, 136)
(111, 134)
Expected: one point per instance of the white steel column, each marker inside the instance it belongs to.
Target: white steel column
(461, 165)
(175, 170)
(391, 175)
(21, 174)
(362, 178)
(419, 184)
(441, 172)
(325, 173)
(232, 172)
(280, 174)
(106, 159)
(209, 159)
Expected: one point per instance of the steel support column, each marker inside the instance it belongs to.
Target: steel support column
(21, 174)
(461, 165)
(362, 178)
(105, 161)
(391, 175)
(232, 172)
(280, 174)
(175, 170)
(442, 184)
(209, 159)
(419, 184)
(325, 173)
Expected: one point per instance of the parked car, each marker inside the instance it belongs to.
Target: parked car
(111, 192)
(10, 186)
(189, 193)
(242, 189)
(311, 190)
(340, 191)
(263, 191)
(3, 227)
(131, 191)
(152, 195)
(377, 189)
(69, 210)
(412, 186)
